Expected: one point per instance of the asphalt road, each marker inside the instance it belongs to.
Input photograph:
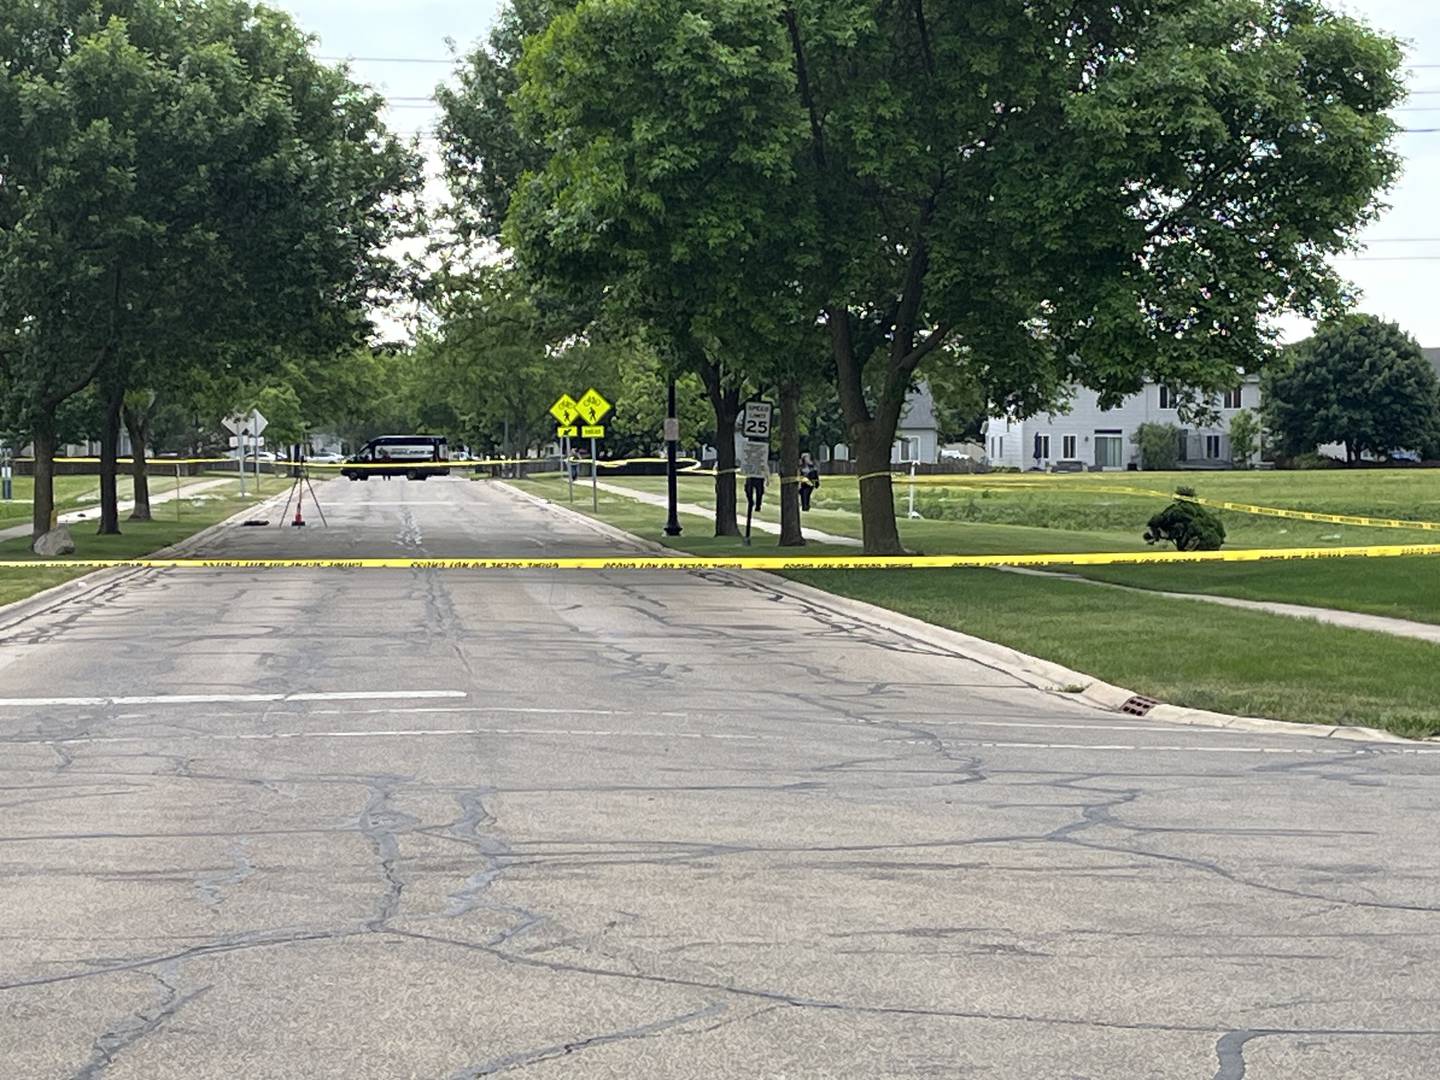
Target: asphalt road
(359, 824)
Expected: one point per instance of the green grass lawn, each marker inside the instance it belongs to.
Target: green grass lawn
(137, 538)
(1407, 588)
(1079, 503)
(1184, 652)
(71, 493)
(1180, 651)
(1004, 523)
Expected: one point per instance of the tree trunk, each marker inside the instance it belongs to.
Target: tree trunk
(109, 463)
(138, 425)
(871, 435)
(42, 518)
(791, 534)
(725, 400)
(877, 495)
(727, 465)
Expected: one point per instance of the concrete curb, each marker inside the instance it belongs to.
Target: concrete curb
(13, 614)
(1039, 674)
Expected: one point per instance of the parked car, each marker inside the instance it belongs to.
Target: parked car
(329, 457)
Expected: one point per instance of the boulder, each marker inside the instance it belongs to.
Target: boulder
(55, 542)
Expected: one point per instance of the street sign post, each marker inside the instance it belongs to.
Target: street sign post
(7, 472)
(248, 425)
(566, 412)
(593, 408)
(758, 415)
(755, 455)
(672, 466)
(755, 460)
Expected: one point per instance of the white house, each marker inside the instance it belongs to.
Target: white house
(917, 437)
(1094, 438)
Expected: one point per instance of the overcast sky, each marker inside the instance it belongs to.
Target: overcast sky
(1397, 274)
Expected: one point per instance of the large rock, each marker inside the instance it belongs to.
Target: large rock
(55, 542)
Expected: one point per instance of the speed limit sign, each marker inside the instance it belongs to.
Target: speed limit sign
(756, 422)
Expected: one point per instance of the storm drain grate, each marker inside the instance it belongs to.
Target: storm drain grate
(1138, 705)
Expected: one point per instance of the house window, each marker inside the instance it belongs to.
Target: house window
(1233, 399)
(1067, 445)
(1212, 447)
(1042, 447)
(1167, 399)
(999, 449)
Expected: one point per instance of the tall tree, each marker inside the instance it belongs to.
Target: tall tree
(178, 179)
(1360, 381)
(667, 216)
(1100, 191)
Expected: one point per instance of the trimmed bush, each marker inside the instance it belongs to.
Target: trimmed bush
(1187, 525)
(1159, 446)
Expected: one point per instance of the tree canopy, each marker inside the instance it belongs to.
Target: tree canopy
(1361, 382)
(1101, 191)
(181, 182)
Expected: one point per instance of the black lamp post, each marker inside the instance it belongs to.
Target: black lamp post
(672, 450)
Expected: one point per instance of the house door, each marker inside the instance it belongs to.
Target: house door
(1109, 451)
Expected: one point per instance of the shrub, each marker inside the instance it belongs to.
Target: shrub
(1187, 525)
(1244, 438)
(1310, 461)
(1159, 446)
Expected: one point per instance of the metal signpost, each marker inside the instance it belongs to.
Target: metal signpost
(593, 408)
(566, 412)
(7, 473)
(241, 426)
(672, 468)
(755, 456)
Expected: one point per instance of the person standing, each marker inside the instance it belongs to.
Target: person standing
(809, 480)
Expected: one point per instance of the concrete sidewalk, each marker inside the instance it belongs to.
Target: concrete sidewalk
(696, 510)
(15, 532)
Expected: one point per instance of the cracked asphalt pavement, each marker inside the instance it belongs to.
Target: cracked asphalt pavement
(376, 824)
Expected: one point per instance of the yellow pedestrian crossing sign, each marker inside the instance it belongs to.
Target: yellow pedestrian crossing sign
(568, 432)
(566, 411)
(592, 407)
(593, 431)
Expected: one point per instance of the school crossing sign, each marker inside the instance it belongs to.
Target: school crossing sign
(591, 409)
(565, 412)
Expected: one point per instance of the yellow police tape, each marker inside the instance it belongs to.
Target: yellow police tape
(693, 467)
(1025, 484)
(744, 562)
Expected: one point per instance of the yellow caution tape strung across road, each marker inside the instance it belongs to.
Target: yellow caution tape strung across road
(690, 466)
(744, 562)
